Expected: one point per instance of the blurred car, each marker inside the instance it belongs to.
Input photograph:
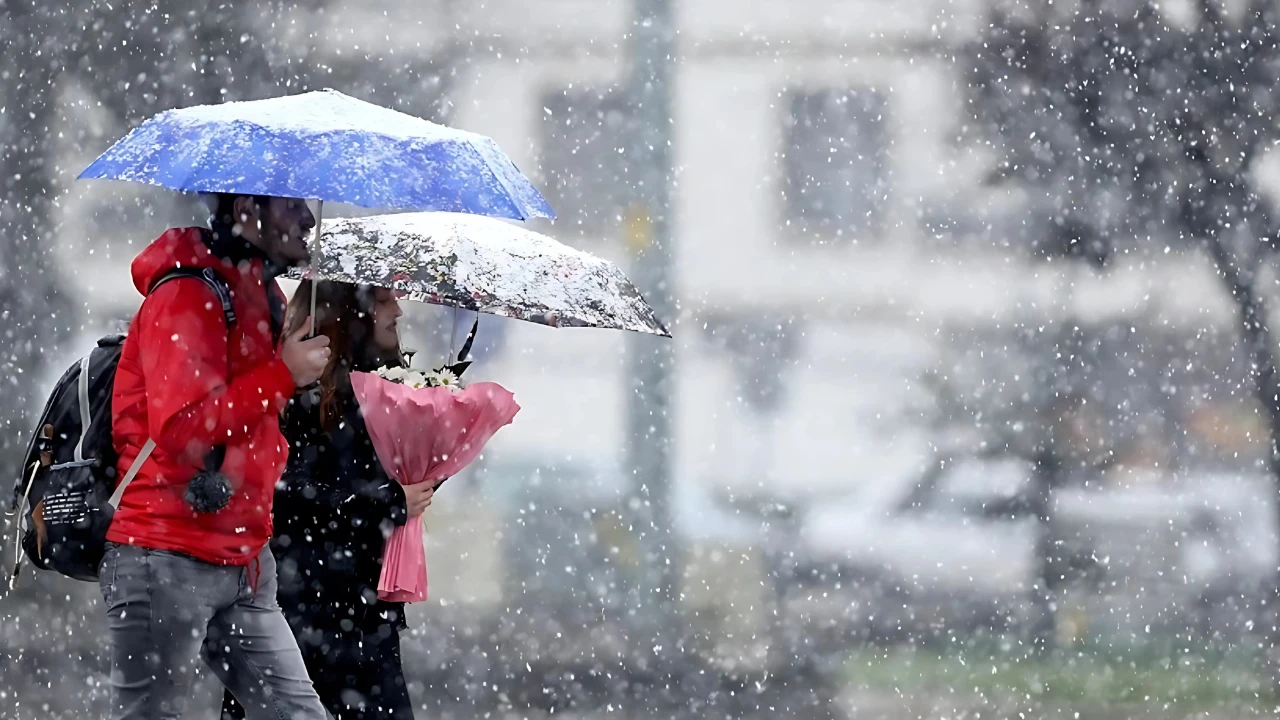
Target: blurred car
(1190, 554)
(928, 560)
(916, 563)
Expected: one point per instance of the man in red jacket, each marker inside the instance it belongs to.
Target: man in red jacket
(183, 580)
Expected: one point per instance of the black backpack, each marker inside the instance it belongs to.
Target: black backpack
(67, 490)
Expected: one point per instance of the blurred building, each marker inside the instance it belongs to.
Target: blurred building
(832, 250)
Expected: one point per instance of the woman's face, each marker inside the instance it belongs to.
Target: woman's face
(386, 310)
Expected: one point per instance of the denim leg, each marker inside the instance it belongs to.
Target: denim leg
(158, 606)
(251, 648)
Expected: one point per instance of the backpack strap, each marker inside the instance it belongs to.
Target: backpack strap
(82, 392)
(220, 288)
(18, 526)
(143, 454)
(210, 278)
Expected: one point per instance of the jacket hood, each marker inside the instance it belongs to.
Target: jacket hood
(179, 247)
(197, 247)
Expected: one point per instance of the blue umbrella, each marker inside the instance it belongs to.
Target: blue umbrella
(327, 146)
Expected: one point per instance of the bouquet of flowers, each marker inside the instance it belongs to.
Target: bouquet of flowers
(425, 427)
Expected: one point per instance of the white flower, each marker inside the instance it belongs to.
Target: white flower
(394, 374)
(416, 379)
(444, 377)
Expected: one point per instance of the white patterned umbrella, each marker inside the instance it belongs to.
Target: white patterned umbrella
(483, 264)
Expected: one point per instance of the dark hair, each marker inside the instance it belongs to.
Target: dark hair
(344, 314)
(225, 208)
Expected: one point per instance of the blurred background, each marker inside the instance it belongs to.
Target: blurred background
(971, 406)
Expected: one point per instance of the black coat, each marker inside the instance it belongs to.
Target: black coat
(334, 509)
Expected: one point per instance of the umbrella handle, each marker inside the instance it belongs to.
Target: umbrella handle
(315, 259)
(453, 334)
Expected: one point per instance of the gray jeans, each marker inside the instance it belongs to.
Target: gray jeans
(166, 610)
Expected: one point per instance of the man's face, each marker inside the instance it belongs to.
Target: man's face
(284, 226)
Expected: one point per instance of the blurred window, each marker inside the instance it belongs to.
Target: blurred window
(973, 486)
(835, 166)
(584, 159)
(972, 480)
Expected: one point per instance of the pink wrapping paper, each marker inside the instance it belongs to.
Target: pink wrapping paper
(424, 435)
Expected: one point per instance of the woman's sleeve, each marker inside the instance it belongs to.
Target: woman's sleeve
(371, 496)
(336, 474)
(375, 495)
(379, 498)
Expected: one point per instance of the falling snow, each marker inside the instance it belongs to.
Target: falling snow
(970, 407)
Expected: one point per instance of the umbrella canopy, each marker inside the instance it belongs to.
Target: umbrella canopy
(482, 264)
(327, 146)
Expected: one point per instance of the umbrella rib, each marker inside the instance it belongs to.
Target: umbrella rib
(510, 192)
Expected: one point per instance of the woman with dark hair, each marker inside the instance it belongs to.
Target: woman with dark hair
(335, 507)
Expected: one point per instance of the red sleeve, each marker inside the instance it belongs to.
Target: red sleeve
(190, 405)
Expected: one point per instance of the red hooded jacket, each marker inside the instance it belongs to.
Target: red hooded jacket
(186, 383)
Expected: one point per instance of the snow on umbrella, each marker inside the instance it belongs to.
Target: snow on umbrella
(486, 265)
(327, 146)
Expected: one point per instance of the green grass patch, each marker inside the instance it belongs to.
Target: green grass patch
(1068, 678)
